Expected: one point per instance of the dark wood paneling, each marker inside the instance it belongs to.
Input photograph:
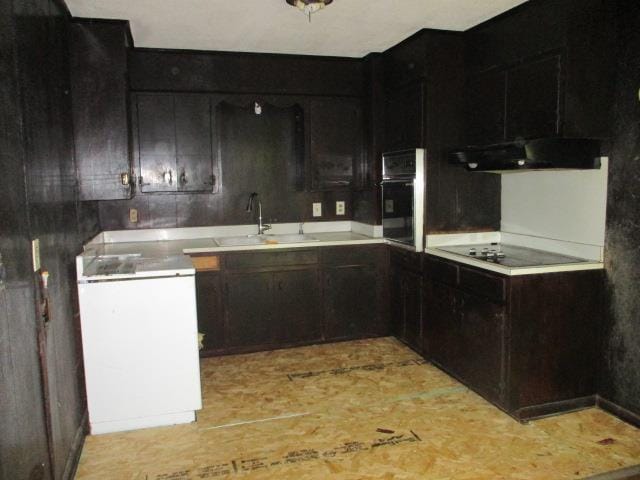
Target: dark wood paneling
(335, 148)
(39, 437)
(99, 84)
(620, 372)
(183, 70)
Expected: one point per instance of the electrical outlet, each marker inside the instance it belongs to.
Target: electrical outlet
(339, 208)
(317, 209)
(133, 215)
(388, 206)
(35, 254)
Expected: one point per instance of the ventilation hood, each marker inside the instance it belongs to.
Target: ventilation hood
(527, 155)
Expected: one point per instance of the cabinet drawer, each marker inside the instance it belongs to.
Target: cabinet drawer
(490, 286)
(407, 259)
(441, 271)
(358, 255)
(249, 260)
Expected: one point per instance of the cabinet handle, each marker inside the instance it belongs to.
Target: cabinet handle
(168, 177)
(280, 285)
(183, 178)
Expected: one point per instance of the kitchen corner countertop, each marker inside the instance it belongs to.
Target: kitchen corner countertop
(514, 271)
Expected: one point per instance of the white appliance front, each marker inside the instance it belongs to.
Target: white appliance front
(140, 352)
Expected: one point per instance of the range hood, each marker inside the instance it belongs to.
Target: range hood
(527, 155)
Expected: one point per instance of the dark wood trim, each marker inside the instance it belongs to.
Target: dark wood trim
(76, 448)
(618, 411)
(178, 51)
(280, 346)
(554, 408)
(422, 31)
(512, 11)
(112, 21)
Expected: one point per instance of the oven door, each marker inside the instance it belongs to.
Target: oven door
(398, 219)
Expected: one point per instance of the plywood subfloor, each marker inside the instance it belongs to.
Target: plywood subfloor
(370, 409)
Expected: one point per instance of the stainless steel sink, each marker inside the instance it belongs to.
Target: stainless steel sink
(245, 240)
(290, 238)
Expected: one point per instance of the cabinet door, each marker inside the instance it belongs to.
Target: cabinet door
(396, 300)
(335, 144)
(193, 143)
(351, 301)
(533, 102)
(441, 326)
(174, 142)
(99, 99)
(297, 310)
(249, 309)
(482, 346)
(156, 142)
(210, 312)
(485, 107)
(404, 118)
(412, 303)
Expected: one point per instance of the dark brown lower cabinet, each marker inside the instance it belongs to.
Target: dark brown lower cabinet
(526, 343)
(355, 292)
(209, 302)
(406, 297)
(258, 300)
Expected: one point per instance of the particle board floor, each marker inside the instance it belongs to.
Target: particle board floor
(369, 409)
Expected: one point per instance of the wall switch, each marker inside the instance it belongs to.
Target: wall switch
(317, 209)
(339, 208)
(133, 215)
(35, 254)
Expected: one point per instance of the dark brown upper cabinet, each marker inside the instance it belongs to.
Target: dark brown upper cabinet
(99, 89)
(533, 99)
(485, 109)
(173, 142)
(335, 142)
(525, 82)
(404, 118)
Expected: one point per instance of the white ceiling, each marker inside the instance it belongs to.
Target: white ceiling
(350, 28)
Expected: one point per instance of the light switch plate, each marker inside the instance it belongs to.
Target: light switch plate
(133, 215)
(35, 254)
(340, 207)
(317, 209)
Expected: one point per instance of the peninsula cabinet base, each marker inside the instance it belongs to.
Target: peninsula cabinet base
(527, 343)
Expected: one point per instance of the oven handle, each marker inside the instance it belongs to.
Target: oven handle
(395, 182)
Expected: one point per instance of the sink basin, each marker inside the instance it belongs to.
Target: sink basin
(290, 238)
(245, 240)
(239, 241)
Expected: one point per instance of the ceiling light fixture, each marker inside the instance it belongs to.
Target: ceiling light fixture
(309, 6)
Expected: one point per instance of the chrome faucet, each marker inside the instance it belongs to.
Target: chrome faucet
(261, 227)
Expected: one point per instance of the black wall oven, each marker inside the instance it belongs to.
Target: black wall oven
(403, 197)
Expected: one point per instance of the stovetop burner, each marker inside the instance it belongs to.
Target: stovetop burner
(511, 255)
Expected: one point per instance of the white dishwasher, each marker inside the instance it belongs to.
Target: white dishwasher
(139, 341)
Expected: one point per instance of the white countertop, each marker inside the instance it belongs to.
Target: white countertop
(163, 248)
(435, 242)
(166, 251)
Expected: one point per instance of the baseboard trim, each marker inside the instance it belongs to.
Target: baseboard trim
(535, 412)
(620, 412)
(76, 448)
